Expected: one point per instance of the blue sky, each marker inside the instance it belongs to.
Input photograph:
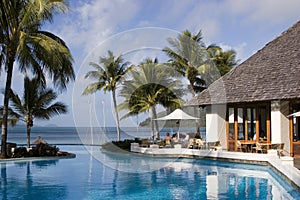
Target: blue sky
(91, 27)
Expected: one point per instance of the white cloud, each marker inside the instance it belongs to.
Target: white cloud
(93, 21)
(243, 25)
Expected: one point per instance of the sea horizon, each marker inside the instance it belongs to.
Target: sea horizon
(60, 135)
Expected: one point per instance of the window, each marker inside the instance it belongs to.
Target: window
(240, 119)
(296, 124)
(251, 122)
(231, 123)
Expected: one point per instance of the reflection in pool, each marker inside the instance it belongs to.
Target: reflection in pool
(117, 177)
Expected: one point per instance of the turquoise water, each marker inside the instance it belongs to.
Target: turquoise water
(94, 174)
(85, 177)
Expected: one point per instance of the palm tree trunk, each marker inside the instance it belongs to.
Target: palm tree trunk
(155, 122)
(192, 89)
(28, 135)
(5, 106)
(197, 114)
(152, 122)
(117, 114)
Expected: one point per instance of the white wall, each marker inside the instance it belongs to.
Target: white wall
(215, 124)
(280, 123)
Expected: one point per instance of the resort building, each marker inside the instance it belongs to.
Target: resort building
(254, 101)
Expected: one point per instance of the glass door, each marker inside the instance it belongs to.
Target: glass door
(230, 129)
(251, 124)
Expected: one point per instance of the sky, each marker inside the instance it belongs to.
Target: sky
(139, 28)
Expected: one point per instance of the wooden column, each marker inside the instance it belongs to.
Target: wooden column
(236, 127)
(291, 129)
(268, 124)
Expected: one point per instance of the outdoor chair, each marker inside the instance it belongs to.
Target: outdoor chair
(199, 143)
(259, 148)
(240, 147)
(191, 143)
(145, 143)
(216, 146)
(161, 144)
(280, 149)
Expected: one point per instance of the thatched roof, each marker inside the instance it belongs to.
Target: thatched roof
(273, 73)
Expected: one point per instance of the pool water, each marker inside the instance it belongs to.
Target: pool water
(126, 176)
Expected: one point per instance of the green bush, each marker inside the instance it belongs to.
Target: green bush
(125, 144)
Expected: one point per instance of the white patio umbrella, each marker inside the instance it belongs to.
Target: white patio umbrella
(296, 114)
(178, 114)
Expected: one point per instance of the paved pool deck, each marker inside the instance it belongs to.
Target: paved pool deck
(285, 166)
(297, 162)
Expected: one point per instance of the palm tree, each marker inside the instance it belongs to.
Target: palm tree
(35, 104)
(37, 51)
(108, 75)
(224, 60)
(150, 84)
(187, 55)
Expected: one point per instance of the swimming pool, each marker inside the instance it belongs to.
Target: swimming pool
(117, 177)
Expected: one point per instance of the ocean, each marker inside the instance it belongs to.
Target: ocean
(83, 135)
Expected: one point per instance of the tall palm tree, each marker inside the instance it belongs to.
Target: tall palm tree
(108, 74)
(35, 104)
(189, 57)
(187, 54)
(150, 84)
(40, 52)
(224, 60)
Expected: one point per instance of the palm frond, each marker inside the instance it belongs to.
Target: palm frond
(147, 85)
(36, 102)
(12, 114)
(43, 52)
(93, 87)
(53, 110)
(11, 121)
(16, 104)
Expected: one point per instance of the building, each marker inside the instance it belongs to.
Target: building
(252, 102)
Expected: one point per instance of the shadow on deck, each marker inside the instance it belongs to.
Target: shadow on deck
(297, 162)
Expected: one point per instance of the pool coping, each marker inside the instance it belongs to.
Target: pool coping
(283, 166)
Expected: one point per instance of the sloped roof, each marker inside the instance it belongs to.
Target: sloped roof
(273, 73)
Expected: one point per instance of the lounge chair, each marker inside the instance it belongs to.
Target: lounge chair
(216, 146)
(161, 144)
(145, 143)
(199, 143)
(191, 143)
